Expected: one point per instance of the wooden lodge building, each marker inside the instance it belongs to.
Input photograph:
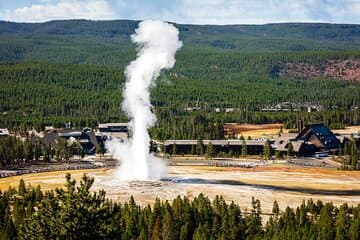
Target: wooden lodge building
(314, 138)
(254, 147)
(310, 140)
(86, 138)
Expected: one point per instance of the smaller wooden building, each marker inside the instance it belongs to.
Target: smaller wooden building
(86, 138)
(254, 147)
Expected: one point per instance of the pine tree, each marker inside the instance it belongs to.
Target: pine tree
(209, 150)
(199, 147)
(326, 223)
(74, 213)
(22, 189)
(278, 154)
(354, 231)
(275, 209)
(156, 230)
(243, 148)
(167, 230)
(20, 152)
(47, 153)
(253, 222)
(28, 150)
(342, 223)
(37, 152)
(267, 150)
(193, 152)
(290, 150)
(173, 151)
(8, 229)
(184, 232)
(353, 156)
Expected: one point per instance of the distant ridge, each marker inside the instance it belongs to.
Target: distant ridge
(310, 31)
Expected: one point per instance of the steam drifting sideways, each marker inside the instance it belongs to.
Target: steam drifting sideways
(157, 43)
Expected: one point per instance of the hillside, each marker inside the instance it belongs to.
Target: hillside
(106, 39)
(76, 70)
(346, 69)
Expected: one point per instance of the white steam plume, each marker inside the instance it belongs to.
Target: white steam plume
(157, 44)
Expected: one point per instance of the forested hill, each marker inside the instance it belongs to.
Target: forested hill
(314, 31)
(108, 29)
(75, 67)
(248, 38)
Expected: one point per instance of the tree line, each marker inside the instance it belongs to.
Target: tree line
(15, 151)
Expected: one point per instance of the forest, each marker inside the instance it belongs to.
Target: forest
(74, 212)
(60, 71)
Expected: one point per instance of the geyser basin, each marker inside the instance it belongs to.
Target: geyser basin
(157, 43)
(269, 183)
(276, 177)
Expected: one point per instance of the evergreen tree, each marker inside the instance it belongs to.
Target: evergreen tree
(342, 223)
(209, 151)
(28, 150)
(243, 148)
(47, 153)
(275, 209)
(253, 222)
(267, 150)
(173, 151)
(184, 232)
(326, 223)
(100, 149)
(156, 230)
(354, 231)
(354, 156)
(8, 230)
(20, 152)
(278, 154)
(75, 213)
(167, 230)
(22, 189)
(290, 150)
(37, 152)
(199, 147)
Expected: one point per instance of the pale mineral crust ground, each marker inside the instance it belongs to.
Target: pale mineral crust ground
(287, 184)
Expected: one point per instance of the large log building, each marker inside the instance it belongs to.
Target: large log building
(313, 138)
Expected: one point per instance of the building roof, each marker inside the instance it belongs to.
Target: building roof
(215, 142)
(319, 135)
(282, 141)
(297, 145)
(69, 133)
(50, 139)
(4, 132)
(106, 125)
(86, 139)
(343, 137)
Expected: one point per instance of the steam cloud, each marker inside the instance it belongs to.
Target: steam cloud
(157, 44)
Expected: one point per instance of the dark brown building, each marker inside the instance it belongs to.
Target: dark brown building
(311, 139)
(188, 146)
(85, 137)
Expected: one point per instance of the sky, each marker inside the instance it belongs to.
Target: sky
(185, 11)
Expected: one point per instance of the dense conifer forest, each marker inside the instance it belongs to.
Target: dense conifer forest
(74, 212)
(60, 71)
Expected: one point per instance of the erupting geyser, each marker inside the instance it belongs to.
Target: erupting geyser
(157, 44)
